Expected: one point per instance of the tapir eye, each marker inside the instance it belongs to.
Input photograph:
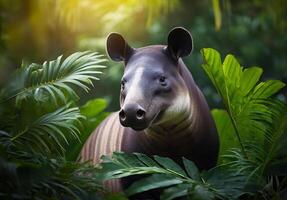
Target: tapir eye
(162, 80)
(123, 81)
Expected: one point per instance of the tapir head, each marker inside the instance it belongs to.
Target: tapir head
(152, 87)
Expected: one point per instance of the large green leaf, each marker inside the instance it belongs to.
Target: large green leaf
(175, 191)
(169, 175)
(267, 89)
(191, 169)
(170, 164)
(249, 78)
(213, 68)
(146, 160)
(255, 118)
(201, 193)
(227, 182)
(93, 107)
(225, 130)
(152, 182)
(246, 103)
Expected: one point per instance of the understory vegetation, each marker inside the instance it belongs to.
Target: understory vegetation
(43, 127)
(253, 154)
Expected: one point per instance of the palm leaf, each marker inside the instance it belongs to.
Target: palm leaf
(35, 134)
(166, 174)
(34, 176)
(55, 78)
(49, 132)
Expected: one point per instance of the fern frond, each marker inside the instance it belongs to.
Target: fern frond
(35, 134)
(56, 78)
(33, 176)
(49, 132)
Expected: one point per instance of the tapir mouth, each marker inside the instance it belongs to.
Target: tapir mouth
(145, 125)
(137, 127)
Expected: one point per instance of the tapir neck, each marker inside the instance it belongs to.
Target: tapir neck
(190, 133)
(179, 130)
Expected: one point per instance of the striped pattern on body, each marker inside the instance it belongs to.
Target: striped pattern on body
(106, 139)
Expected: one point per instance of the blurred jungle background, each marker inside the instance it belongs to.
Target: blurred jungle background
(47, 111)
(37, 30)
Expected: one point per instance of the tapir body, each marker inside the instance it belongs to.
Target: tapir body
(163, 112)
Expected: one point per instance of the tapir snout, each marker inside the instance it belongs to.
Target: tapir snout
(133, 114)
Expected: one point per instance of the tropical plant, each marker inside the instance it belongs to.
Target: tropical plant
(252, 131)
(39, 121)
(40, 137)
(253, 120)
(176, 181)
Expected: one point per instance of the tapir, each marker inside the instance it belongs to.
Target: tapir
(163, 112)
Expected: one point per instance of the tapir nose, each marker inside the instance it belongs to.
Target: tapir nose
(132, 115)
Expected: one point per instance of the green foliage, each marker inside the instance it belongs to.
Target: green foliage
(165, 173)
(40, 123)
(242, 98)
(252, 132)
(253, 116)
(34, 176)
(250, 108)
(47, 131)
(54, 79)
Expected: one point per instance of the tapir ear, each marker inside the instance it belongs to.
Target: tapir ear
(179, 43)
(117, 48)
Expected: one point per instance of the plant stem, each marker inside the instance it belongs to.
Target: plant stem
(19, 134)
(237, 134)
